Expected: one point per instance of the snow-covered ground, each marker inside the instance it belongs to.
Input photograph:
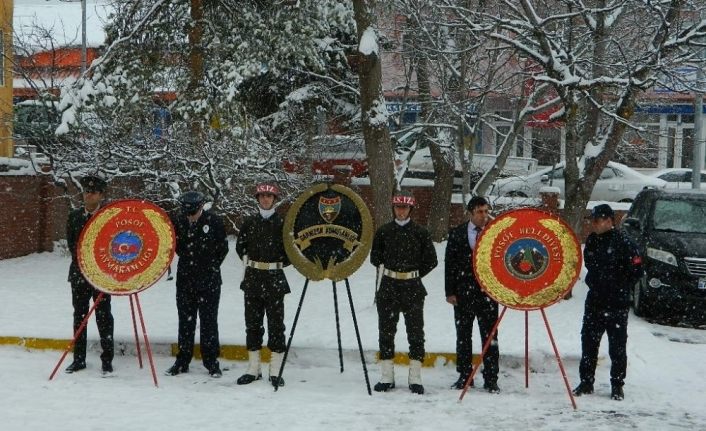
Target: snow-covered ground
(664, 388)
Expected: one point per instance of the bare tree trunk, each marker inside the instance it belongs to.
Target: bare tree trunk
(196, 69)
(439, 213)
(378, 146)
(487, 179)
(577, 194)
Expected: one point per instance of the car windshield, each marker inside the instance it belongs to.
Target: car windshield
(682, 215)
(676, 177)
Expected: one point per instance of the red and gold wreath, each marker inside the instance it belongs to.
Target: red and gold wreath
(126, 247)
(527, 259)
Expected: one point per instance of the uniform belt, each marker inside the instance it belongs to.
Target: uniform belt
(400, 275)
(265, 266)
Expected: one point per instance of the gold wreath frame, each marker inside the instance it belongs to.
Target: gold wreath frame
(315, 270)
(105, 283)
(570, 262)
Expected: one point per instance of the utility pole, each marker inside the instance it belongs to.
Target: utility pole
(84, 57)
(83, 36)
(699, 128)
(699, 141)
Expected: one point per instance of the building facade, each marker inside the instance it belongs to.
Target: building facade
(6, 111)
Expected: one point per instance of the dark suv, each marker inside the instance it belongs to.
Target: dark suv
(669, 226)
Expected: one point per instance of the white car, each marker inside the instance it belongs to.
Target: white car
(617, 183)
(421, 166)
(678, 178)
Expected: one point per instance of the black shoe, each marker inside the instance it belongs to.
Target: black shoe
(584, 388)
(177, 369)
(491, 387)
(616, 393)
(75, 366)
(246, 379)
(107, 368)
(461, 382)
(216, 372)
(276, 381)
(417, 389)
(384, 387)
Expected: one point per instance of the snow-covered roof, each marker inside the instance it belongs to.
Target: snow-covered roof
(63, 17)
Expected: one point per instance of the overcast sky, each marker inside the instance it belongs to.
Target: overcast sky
(64, 18)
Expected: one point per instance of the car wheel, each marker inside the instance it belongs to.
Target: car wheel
(515, 194)
(640, 301)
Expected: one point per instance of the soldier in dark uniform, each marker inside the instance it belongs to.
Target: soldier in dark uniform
(202, 246)
(404, 253)
(82, 291)
(260, 245)
(467, 298)
(614, 266)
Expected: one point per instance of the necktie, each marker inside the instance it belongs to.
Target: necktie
(475, 238)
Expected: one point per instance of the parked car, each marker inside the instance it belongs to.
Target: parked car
(34, 124)
(668, 226)
(421, 166)
(617, 183)
(678, 178)
(331, 151)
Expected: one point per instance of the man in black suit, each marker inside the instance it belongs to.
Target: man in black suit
(202, 246)
(467, 298)
(81, 290)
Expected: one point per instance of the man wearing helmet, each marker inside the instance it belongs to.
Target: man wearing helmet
(404, 253)
(260, 245)
(202, 246)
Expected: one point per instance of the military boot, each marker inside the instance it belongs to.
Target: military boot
(584, 388)
(253, 373)
(275, 365)
(387, 378)
(415, 377)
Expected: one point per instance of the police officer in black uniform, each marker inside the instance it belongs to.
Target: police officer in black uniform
(202, 246)
(467, 298)
(614, 266)
(81, 290)
(260, 246)
(404, 253)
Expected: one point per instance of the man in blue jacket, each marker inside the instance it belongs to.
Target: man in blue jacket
(614, 266)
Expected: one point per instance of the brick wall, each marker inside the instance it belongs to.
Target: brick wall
(33, 211)
(30, 208)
